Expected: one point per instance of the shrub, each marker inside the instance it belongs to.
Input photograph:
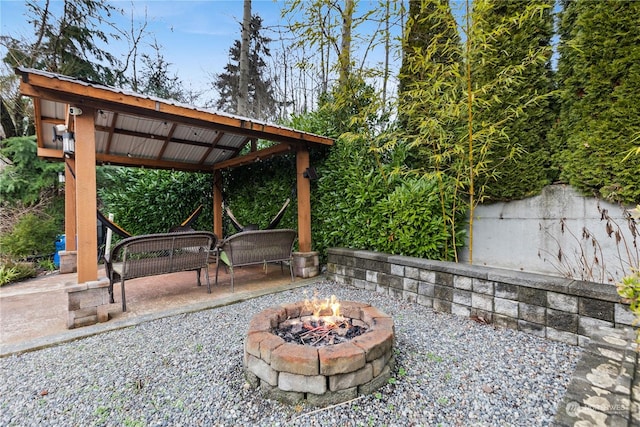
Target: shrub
(33, 234)
(14, 272)
(410, 221)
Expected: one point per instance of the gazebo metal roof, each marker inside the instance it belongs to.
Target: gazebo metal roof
(120, 127)
(139, 130)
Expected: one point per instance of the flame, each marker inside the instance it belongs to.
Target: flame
(319, 307)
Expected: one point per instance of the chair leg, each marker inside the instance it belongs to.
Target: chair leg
(111, 291)
(217, 267)
(124, 301)
(198, 273)
(206, 276)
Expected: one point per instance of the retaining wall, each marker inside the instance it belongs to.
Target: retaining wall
(605, 387)
(555, 308)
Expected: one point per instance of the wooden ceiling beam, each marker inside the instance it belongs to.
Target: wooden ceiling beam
(253, 156)
(110, 131)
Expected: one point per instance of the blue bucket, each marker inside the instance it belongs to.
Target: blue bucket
(61, 243)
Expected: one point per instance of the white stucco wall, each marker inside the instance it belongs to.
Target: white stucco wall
(527, 235)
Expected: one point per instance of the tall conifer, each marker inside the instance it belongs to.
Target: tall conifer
(600, 118)
(511, 70)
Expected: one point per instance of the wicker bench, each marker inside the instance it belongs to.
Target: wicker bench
(256, 247)
(154, 254)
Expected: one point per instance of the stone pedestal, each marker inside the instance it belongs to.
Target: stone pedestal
(306, 264)
(88, 303)
(68, 261)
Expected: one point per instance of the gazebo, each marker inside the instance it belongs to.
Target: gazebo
(86, 124)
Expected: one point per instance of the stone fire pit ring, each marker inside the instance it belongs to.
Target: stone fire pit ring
(321, 376)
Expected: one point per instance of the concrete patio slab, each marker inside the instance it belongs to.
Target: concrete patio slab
(33, 313)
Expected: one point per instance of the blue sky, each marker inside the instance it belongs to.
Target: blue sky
(195, 34)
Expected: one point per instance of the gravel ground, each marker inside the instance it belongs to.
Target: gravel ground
(187, 370)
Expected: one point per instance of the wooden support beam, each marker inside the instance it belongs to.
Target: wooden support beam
(70, 223)
(86, 204)
(304, 200)
(217, 204)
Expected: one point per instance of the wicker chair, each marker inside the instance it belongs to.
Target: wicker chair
(154, 254)
(256, 247)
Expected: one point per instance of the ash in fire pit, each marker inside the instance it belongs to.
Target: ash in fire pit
(324, 354)
(319, 332)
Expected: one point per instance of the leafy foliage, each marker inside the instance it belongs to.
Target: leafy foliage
(15, 271)
(368, 205)
(600, 117)
(256, 192)
(69, 44)
(32, 235)
(412, 221)
(511, 53)
(153, 201)
(28, 176)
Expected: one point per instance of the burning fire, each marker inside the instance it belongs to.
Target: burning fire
(320, 324)
(328, 310)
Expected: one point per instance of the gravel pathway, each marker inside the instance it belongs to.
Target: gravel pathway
(187, 370)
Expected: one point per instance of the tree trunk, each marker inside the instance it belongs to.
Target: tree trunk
(243, 85)
(345, 46)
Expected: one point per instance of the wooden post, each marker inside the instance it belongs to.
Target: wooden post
(217, 204)
(86, 204)
(304, 200)
(70, 224)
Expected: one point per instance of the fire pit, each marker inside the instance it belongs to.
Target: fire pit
(324, 353)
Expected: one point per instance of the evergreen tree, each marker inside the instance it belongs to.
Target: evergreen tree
(600, 117)
(520, 108)
(431, 56)
(156, 78)
(261, 101)
(68, 44)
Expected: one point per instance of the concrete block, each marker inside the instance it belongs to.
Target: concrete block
(371, 276)
(425, 301)
(428, 276)
(444, 279)
(410, 285)
(443, 293)
(562, 302)
(352, 379)
(262, 370)
(562, 336)
(506, 291)
(597, 309)
(412, 273)
(588, 325)
(397, 270)
(442, 306)
(560, 320)
(316, 384)
(462, 297)
(505, 321)
(482, 301)
(409, 296)
(396, 293)
(505, 307)
(463, 282)
(532, 328)
(532, 296)
(623, 315)
(483, 286)
(532, 313)
(426, 288)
